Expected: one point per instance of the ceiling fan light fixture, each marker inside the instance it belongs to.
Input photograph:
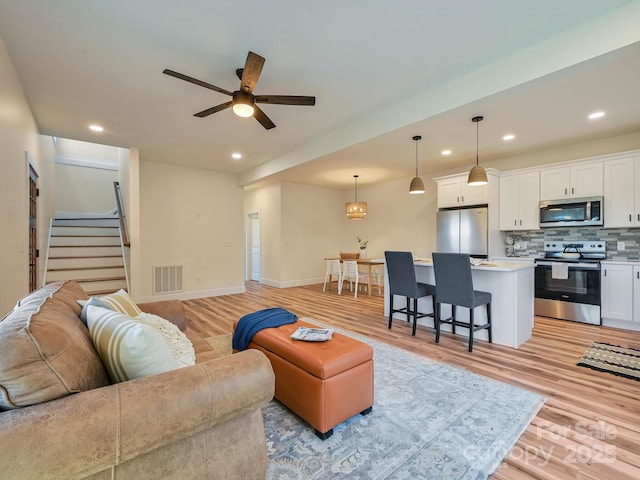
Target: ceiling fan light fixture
(417, 185)
(355, 210)
(477, 175)
(243, 104)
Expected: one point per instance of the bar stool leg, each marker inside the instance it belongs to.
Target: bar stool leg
(489, 320)
(471, 328)
(390, 309)
(437, 321)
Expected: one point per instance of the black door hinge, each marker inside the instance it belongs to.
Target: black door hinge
(37, 253)
(37, 192)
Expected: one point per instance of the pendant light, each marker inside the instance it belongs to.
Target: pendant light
(477, 175)
(417, 185)
(355, 210)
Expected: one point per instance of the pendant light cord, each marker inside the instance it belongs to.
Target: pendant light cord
(417, 138)
(356, 187)
(477, 143)
(477, 120)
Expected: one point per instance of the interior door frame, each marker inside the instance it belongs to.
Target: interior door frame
(251, 218)
(32, 222)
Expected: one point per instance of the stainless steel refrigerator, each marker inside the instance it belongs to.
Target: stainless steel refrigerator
(463, 230)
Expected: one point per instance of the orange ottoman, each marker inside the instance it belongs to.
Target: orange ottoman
(324, 383)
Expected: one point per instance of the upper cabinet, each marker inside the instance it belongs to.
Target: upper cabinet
(622, 192)
(519, 201)
(454, 192)
(573, 181)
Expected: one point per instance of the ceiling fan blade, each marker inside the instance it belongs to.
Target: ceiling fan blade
(285, 99)
(251, 72)
(262, 118)
(215, 109)
(195, 81)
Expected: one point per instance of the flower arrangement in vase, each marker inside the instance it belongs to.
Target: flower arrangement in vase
(362, 244)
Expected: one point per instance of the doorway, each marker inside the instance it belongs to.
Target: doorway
(33, 228)
(254, 246)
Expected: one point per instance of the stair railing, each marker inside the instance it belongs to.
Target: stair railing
(46, 258)
(124, 236)
(123, 224)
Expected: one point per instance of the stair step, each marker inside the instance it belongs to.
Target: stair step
(85, 236)
(86, 226)
(104, 279)
(83, 246)
(97, 267)
(84, 256)
(89, 280)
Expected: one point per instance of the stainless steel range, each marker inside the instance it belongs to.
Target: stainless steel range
(567, 281)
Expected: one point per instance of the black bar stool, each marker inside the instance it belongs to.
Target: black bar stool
(454, 286)
(402, 281)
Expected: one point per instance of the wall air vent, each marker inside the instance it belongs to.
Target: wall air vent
(167, 279)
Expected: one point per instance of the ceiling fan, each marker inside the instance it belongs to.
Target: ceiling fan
(243, 101)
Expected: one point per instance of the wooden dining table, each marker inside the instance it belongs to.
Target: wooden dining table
(370, 262)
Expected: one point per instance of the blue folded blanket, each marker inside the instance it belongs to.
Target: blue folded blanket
(252, 323)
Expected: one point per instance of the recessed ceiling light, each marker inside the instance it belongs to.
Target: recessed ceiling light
(596, 115)
(446, 152)
(96, 128)
(236, 155)
(508, 137)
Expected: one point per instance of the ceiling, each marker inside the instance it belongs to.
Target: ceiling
(381, 72)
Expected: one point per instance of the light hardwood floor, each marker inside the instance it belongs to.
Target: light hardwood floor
(589, 427)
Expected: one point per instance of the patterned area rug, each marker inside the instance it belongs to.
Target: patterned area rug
(621, 361)
(429, 421)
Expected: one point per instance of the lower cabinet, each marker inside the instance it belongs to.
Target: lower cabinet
(620, 285)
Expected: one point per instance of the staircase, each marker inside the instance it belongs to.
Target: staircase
(89, 249)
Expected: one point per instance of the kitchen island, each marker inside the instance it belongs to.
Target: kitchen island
(511, 285)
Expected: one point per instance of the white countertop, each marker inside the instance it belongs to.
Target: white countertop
(621, 262)
(496, 266)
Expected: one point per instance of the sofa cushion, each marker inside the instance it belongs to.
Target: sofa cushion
(129, 348)
(47, 352)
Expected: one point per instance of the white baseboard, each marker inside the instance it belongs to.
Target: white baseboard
(623, 324)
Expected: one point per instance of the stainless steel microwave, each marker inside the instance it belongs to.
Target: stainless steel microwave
(572, 212)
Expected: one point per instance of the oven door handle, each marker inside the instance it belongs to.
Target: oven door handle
(581, 266)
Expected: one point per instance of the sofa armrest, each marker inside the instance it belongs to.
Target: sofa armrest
(88, 432)
(171, 310)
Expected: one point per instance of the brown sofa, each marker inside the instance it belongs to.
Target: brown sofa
(60, 419)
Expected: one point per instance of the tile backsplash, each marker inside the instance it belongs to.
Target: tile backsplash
(535, 240)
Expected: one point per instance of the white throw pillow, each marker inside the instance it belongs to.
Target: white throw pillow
(128, 348)
(180, 345)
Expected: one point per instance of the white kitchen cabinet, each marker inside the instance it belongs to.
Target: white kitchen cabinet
(617, 289)
(575, 181)
(519, 201)
(622, 192)
(454, 192)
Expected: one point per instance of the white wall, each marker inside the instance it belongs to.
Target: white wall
(84, 189)
(18, 135)
(301, 225)
(395, 220)
(191, 217)
(312, 223)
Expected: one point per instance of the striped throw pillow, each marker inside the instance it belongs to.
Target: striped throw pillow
(121, 302)
(128, 348)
